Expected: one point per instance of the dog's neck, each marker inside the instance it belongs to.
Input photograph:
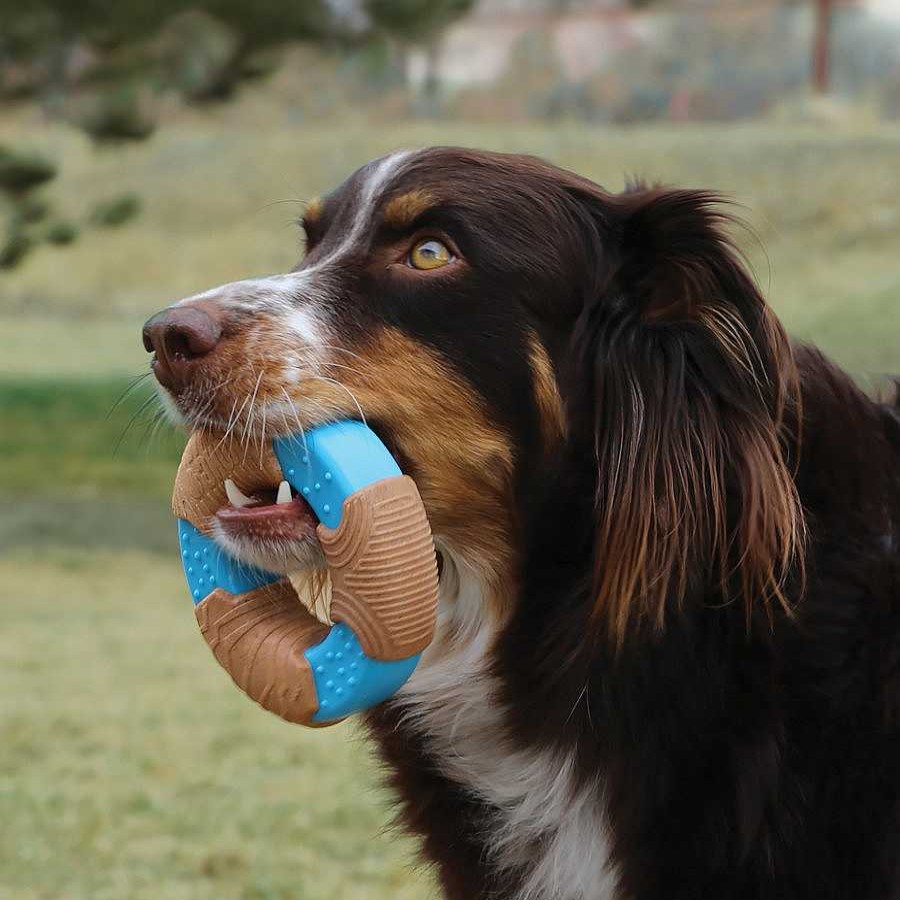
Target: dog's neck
(547, 829)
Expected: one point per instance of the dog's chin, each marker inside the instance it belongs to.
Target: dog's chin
(299, 557)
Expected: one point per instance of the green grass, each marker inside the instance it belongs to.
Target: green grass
(221, 192)
(59, 345)
(84, 466)
(82, 438)
(130, 767)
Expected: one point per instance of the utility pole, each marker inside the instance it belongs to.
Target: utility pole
(821, 45)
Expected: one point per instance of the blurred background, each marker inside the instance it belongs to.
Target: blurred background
(152, 148)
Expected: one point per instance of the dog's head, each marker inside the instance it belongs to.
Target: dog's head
(569, 375)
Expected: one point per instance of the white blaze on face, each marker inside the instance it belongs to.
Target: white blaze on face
(303, 323)
(379, 178)
(302, 299)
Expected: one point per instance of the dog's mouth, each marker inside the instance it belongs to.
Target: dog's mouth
(274, 527)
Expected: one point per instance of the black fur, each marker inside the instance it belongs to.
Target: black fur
(748, 751)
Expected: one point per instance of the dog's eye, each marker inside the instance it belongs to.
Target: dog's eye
(429, 254)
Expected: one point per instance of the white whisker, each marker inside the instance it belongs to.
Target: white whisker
(248, 421)
(293, 409)
(344, 387)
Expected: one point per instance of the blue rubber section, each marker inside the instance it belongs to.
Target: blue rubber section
(348, 681)
(331, 462)
(326, 465)
(207, 566)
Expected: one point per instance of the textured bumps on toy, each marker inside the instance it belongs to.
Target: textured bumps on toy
(383, 583)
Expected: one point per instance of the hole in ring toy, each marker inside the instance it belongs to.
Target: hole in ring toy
(376, 541)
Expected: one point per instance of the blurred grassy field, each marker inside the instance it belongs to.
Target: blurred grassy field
(221, 193)
(129, 766)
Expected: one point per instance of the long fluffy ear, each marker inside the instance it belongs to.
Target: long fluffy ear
(691, 381)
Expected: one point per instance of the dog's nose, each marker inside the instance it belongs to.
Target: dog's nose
(180, 336)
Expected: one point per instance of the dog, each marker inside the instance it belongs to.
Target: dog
(667, 661)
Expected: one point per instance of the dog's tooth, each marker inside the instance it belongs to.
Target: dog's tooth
(284, 493)
(235, 496)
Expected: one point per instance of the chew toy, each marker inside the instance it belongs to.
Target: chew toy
(380, 555)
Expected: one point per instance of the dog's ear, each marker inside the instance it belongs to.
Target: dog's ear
(688, 383)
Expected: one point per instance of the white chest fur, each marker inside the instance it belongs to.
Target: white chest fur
(545, 821)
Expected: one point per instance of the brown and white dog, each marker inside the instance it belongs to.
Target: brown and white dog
(668, 654)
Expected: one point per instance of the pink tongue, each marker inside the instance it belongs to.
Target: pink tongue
(297, 510)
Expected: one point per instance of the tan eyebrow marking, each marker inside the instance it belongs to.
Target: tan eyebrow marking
(402, 210)
(314, 209)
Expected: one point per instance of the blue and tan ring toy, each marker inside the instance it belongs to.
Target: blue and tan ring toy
(380, 555)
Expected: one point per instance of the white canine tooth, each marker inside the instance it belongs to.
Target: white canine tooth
(235, 497)
(284, 493)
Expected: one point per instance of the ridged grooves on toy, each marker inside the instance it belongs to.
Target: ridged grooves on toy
(207, 461)
(382, 562)
(259, 639)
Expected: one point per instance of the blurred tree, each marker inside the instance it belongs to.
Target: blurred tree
(21, 172)
(410, 23)
(415, 21)
(259, 22)
(46, 41)
(99, 63)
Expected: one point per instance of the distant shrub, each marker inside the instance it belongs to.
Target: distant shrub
(116, 211)
(60, 231)
(198, 55)
(21, 170)
(33, 208)
(15, 242)
(119, 113)
(260, 64)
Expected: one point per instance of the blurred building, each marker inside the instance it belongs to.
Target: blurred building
(682, 58)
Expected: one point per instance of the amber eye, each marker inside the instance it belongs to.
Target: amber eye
(429, 254)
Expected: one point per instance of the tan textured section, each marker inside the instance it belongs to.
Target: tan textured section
(207, 462)
(383, 569)
(259, 639)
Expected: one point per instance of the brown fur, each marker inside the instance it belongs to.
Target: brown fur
(401, 211)
(546, 392)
